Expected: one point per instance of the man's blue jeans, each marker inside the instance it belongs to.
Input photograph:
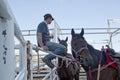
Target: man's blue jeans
(56, 48)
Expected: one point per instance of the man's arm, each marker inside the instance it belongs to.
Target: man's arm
(40, 41)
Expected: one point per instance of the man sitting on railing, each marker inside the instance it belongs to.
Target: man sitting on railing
(43, 40)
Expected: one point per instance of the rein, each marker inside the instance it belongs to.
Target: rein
(94, 70)
(98, 69)
(69, 62)
(102, 67)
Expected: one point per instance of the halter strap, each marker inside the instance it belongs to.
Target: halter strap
(79, 51)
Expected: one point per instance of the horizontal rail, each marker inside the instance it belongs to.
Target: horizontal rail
(35, 47)
(6, 13)
(18, 34)
(75, 29)
(93, 31)
(46, 77)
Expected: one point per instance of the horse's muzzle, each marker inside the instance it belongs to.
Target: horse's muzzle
(86, 62)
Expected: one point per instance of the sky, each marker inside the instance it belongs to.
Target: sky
(67, 13)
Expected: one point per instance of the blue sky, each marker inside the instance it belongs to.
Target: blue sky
(67, 13)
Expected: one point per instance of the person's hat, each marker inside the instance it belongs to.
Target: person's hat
(48, 16)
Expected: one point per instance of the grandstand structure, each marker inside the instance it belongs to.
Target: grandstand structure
(20, 57)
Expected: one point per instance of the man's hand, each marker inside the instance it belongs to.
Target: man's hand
(45, 48)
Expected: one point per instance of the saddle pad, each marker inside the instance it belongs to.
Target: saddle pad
(109, 60)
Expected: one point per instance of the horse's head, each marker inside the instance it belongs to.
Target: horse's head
(63, 42)
(80, 49)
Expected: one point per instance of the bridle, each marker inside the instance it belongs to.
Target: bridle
(80, 50)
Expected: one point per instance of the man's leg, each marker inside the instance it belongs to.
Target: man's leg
(57, 49)
(48, 62)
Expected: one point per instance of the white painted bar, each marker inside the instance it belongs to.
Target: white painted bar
(46, 77)
(9, 28)
(7, 62)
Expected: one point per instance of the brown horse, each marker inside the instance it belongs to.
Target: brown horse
(67, 69)
(90, 58)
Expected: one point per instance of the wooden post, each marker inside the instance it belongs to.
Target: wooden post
(98, 76)
(38, 56)
(28, 60)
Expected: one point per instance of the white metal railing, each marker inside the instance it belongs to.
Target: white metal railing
(49, 74)
(22, 69)
(38, 65)
(21, 74)
(9, 28)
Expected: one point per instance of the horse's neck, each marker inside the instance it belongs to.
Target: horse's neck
(96, 54)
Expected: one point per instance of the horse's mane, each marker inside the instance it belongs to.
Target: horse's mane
(90, 47)
(95, 53)
(93, 50)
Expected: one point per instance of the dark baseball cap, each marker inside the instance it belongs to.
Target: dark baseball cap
(48, 16)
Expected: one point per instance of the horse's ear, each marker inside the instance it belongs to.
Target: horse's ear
(66, 39)
(82, 32)
(72, 32)
(58, 39)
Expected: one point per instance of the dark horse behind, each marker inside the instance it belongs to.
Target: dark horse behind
(90, 58)
(67, 69)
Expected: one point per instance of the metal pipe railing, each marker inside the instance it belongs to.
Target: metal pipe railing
(47, 76)
(10, 28)
(21, 74)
